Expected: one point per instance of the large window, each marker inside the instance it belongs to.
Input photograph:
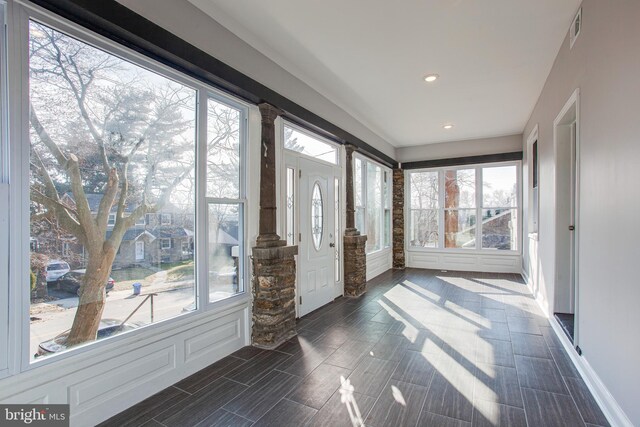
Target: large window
(372, 185)
(464, 208)
(115, 199)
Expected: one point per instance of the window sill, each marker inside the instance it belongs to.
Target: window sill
(459, 251)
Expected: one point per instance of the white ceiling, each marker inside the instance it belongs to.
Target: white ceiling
(369, 57)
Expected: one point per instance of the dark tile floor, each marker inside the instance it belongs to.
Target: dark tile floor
(420, 348)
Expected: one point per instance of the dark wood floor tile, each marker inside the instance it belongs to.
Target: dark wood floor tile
(319, 386)
(383, 316)
(247, 353)
(368, 331)
(550, 336)
(494, 315)
(334, 337)
(428, 419)
(286, 413)
(349, 354)
(308, 334)
(591, 412)
(414, 368)
(498, 331)
(345, 408)
(303, 364)
(257, 367)
(498, 384)
(222, 418)
(492, 414)
(495, 352)
(200, 405)
(546, 409)
(151, 423)
(371, 375)
(540, 374)
(565, 365)
(259, 398)
(142, 412)
(390, 347)
(530, 345)
(451, 390)
(523, 325)
(398, 405)
(206, 376)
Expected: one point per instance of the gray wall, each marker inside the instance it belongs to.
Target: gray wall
(605, 64)
(191, 24)
(471, 147)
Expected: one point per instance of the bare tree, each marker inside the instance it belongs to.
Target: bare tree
(98, 126)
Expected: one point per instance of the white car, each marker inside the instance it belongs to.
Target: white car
(56, 269)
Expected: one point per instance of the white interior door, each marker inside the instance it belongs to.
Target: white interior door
(316, 252)
(139, 250)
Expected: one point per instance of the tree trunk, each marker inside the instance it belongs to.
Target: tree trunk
(92, 297)
(452, 201)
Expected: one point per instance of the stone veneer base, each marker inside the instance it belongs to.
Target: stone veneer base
(274, 305)
(355, 265)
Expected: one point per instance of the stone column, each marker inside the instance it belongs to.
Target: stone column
(274, 266)
(355, 257)
(398, 218)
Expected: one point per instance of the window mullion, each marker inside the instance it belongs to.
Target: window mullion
(479, 198)
(201, 255)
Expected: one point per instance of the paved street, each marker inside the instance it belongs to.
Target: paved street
(57, 316)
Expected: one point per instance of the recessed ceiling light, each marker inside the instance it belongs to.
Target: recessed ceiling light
(430, 78)
(448, 126)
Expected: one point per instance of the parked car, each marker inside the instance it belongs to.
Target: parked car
(107, 328)
(72, 281)
(55, 269)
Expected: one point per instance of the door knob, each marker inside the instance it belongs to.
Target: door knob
(332, 245)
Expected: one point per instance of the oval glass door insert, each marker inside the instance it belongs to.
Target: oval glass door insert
(316, 216)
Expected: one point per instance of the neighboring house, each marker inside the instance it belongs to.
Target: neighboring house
(156, 238)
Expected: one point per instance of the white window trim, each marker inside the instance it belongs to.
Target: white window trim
(111, 221)
(363, 181)
(478, 249)
(19, 359)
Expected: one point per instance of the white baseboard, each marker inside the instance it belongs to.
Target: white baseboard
(608, 404)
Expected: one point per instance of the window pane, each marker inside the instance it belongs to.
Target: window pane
(338, 234)
(225, 250)
(308, 145)
(387, 228)
(424, 218)
(223, 150)
(290, 209)
(460, 188)
(90, 112)
(460, 228)
(500, 229)
(424, 228)
(374, 206)
(317, 220)
(499, 187)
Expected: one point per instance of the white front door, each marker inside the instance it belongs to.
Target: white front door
(139, 250)
(316, 252)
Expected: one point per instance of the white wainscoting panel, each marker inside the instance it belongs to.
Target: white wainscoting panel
(476, 261)
(378, 262)
(104, 381)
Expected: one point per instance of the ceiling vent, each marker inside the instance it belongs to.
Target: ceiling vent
(576, 26)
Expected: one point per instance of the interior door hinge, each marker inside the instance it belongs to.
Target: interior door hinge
(299, 237)
(299, 173)
(300, 299)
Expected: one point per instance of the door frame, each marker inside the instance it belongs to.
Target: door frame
(572, 103)
(290, 159)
